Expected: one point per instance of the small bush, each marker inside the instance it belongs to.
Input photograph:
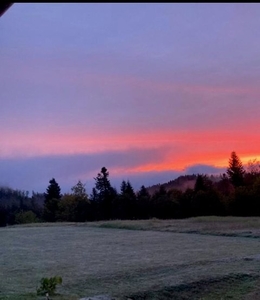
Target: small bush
(25, 217)
(48, 285)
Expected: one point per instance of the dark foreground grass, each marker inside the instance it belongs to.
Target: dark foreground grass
(234, 286)
(33, 296)
(138, 264)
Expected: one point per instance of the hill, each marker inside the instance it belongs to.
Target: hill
(181, 183)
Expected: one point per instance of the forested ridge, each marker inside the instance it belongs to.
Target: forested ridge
(236, 192)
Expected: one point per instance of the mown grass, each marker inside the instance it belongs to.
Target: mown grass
(234, 287)
(33, 296)
(160, 261)
(213, 225)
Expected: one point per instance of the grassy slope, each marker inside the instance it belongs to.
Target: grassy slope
(153, 264)
(224, 226)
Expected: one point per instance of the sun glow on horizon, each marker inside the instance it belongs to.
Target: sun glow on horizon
(173, 150)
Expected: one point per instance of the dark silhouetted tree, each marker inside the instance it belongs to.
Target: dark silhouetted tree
(102, 184)
(206, 203)
(252, 172)
(52, 198)
(235, 170)
(206, 199)
(123, 187)
(185, 202)
(253, 167)
(203, 183)
(13, 202)
(256, 197)
(224, 186)
(200, 183)
(164, 207)
(126, 201)
(95, 205)
(53, 190)
(94, 195)
(104, 194)
(130, 191)
(3, 216)
(79, 190)
(143, 204)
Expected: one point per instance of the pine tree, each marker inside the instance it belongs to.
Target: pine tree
(199, 184)
(123, 187)
(53, 190)
(94, 195)
(127, 189)
(130, 190)
(128, 201)
(52, 199)
(143, 193)
(104, 193)
(203, 183)
(103, 185)
(235, 170)
(143, 203)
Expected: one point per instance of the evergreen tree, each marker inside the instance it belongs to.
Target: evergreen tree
(235, 170)
(224, 186)
(123, 187)
(202, 183)
(3, 216)
(53, 190)
(143, 203)
(130, 191)
(94, 206)
(199, 184)
(160, 201)
(104, 193)
(52, 199)
(103, 186)
(94, 195)
(127, 199)
(143, 193)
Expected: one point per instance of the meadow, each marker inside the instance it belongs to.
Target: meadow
(197, 258)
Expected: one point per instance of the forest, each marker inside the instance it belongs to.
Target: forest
(235, 193)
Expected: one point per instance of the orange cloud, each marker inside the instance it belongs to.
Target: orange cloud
(178, 149)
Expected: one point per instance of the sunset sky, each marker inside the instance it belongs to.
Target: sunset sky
(150, 91)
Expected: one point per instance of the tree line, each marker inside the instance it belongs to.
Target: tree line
(237, 193)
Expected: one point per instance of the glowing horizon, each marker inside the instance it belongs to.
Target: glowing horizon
(173, 146)
(89, 85)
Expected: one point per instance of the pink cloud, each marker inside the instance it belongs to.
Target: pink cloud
(176, 150)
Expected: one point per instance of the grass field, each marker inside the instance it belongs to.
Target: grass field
(199, 258)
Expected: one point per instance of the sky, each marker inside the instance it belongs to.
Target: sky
(150, 91)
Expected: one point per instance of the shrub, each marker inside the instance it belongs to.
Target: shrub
(48, 285)
(24, 217)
